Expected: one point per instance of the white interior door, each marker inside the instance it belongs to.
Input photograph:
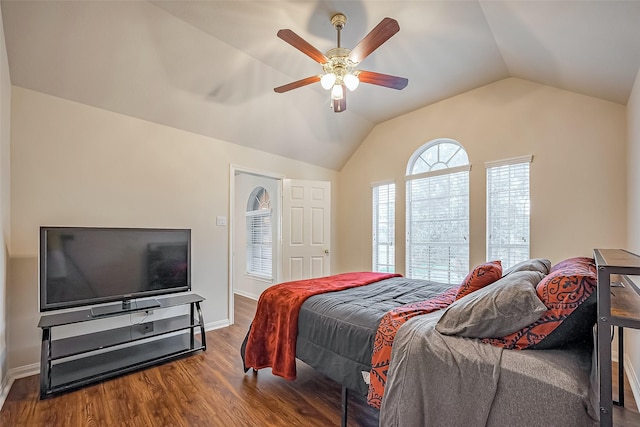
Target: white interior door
(306, 229)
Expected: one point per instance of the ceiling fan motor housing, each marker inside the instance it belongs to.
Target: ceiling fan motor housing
(339, 63)
(338, 21)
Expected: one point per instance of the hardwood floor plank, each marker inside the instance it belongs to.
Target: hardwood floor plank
(208, 389)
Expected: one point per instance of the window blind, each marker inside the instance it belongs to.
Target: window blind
(384, 202)
(438, 227)
(508, 212)
(259, 243)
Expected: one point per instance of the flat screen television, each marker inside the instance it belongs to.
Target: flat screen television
(82, 266)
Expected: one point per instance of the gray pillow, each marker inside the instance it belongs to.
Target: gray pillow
(497, 310)
(535, 264)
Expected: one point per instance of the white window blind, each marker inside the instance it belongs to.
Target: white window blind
(384, 217)
(508, 210)
(438, 227)
(437, 221)
(259, 234)
(259, 244)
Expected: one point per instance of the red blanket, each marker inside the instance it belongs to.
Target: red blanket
(386, 333)
(272, 338)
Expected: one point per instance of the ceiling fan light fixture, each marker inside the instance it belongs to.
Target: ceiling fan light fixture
(327, 81)
(337, 92)
(339, 65)
(351, 81)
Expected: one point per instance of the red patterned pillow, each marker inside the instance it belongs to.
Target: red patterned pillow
(481, 276)
(569, 294)
(572, 262)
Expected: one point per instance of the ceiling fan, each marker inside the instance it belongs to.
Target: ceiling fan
(339, 64)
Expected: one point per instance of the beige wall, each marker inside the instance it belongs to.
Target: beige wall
(632, 343)
(72, 164)
(578, 174)
(5, 115)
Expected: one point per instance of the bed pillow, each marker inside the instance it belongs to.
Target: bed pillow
(570, 297)
(574, 262)
(535, 264)
(481, 276)
(499, 309)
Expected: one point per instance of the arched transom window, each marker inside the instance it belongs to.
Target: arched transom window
(437, 245)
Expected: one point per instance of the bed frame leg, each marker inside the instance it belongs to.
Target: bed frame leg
(345, 396)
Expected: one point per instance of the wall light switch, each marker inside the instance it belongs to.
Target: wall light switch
(221, 220)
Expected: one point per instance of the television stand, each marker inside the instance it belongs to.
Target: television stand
(70, 363)
(127, 306)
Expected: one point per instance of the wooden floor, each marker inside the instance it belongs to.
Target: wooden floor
(208, 389)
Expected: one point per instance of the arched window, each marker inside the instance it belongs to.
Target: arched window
(438, 212)
(259, 234)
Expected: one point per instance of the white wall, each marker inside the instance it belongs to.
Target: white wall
(5, 134)
(72, 164)
(632, 342)
(578, 174)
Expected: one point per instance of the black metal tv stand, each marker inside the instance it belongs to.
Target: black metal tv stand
(127, 306)
(69, 363)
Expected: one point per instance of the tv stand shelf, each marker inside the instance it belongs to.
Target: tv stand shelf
(70, 363)
(618, 301)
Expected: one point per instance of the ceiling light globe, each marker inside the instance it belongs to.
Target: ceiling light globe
(327, 81)
(337, 92)
(351, 81)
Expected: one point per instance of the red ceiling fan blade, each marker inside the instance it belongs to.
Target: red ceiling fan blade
(380, 34)
(385, 80)
(339, 105)
(297, 84)
(302, 45)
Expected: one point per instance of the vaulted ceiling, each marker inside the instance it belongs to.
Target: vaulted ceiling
(210, 67)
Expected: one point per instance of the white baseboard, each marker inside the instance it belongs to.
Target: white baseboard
(14, 374)
(247, 295)
(24, 371)
(216, 325)
(4, 389)
(633, 380)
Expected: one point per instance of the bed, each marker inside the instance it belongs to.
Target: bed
(431, 375)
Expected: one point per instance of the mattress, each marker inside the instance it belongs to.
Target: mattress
(336, 329)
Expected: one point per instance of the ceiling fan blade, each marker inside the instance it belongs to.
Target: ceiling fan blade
(385, 80)
(380, 34)
(297, 84)
(302, 45)
(339, 105)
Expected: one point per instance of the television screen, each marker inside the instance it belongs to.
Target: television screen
(83, 266)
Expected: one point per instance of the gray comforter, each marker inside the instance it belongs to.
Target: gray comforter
(439, 380)
(336, 329)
